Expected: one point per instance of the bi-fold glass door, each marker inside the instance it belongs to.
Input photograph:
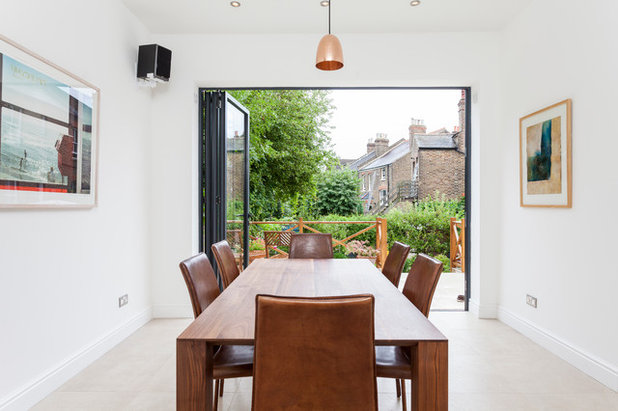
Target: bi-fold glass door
(224, 174)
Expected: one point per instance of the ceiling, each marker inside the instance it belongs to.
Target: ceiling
(307, 16)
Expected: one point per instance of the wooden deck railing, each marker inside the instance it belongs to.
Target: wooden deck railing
(380, 225)
(458, 245)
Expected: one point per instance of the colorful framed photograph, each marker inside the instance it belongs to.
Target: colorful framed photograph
(545, 157)
(48, 133)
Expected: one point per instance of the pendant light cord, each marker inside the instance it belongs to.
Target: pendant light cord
(329, 16)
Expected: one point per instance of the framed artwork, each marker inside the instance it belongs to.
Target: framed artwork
(545, 157)
(48, 133)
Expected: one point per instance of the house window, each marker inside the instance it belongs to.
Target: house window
(382, 197)
(364, 188)
(384, 173)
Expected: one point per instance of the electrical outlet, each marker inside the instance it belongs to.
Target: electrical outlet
(124, 300)
(531, 301)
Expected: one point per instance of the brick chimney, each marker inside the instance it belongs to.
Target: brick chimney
(417, 126)
(371, 146)
(381, 144)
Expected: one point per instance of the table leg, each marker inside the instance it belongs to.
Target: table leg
(430, 376)
(194, 375)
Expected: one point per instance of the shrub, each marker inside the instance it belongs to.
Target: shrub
(341, 231)
(446, 263)
(339, 254)
(426, 231)
(338, 193)
(424, 226)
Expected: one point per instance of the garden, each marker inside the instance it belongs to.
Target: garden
(424, 225)
(295, 174)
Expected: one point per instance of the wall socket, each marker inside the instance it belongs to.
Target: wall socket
(124, 300)
(530, 300)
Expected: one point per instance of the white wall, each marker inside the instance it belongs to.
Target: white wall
(564, 257)
(455, 59)
(62, 271)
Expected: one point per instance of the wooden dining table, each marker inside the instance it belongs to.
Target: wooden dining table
(230, 319)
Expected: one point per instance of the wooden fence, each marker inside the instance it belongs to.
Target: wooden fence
(458, 245)
(301, 226)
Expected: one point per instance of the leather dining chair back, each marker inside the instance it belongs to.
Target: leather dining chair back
(422, 281)
(314, 353)
(226, 262)
(311, 245)
(201, 282)
(395, 261)
(230, 361)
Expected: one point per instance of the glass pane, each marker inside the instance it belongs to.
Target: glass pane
(235, 178)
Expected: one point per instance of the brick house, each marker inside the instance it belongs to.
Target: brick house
(439, 158)
(438, 165)
(427, 164)
(382, 176)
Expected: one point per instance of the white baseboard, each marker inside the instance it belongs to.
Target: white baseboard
(487, 311)
(27, 396)
(594, 367)
(172, 311)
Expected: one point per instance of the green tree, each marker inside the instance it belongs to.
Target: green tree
(290, 146)
(338, 193)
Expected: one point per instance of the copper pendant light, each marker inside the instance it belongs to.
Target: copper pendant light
(330, 54)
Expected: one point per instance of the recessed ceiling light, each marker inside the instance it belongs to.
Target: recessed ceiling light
(415, 3)
(235, 3)
(324, 3)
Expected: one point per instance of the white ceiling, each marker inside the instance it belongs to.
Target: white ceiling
(307, 16)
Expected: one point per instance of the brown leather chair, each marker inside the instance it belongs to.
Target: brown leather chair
(395, 261)
(395, 362)
(226, 262)
(230, 361)
(314, 353)
(311, 245)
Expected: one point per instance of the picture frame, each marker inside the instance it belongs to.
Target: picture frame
(545, 171)
(48, 133)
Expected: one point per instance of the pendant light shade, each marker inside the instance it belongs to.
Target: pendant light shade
(330, 54)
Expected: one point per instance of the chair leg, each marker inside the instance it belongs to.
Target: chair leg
(216, 396)
(404, 401)
(398, 387)
(221, 389)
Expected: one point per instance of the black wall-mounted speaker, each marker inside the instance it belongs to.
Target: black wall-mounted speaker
(154, 62)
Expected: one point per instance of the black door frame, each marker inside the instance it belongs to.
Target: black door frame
(211, 181)
(468, 162)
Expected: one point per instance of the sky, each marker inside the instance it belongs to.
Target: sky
(360, 114)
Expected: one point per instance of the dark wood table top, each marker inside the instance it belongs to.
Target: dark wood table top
(230, 319)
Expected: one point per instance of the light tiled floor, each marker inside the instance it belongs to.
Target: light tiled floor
(491, 367)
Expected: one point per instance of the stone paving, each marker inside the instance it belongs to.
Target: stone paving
(449, 287)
